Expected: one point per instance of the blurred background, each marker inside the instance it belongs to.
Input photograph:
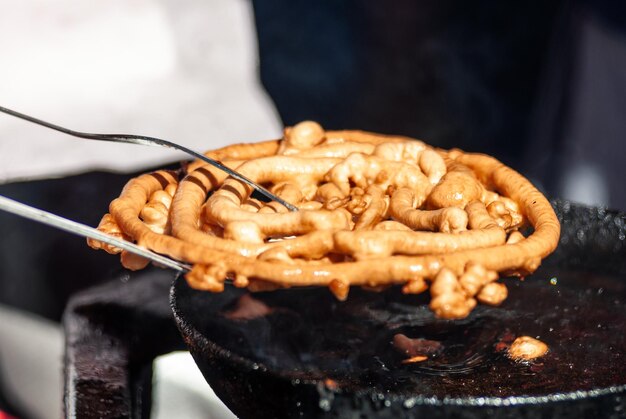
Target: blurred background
(539, 85)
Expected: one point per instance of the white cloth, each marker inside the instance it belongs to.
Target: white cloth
(182, 70)
(31, 356)
(181, 391)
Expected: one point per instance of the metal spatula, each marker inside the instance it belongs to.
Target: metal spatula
(151, 141)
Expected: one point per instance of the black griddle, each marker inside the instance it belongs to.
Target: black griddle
(275, 366)
(300, 353)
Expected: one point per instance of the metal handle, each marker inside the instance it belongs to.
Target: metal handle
(151, 141)
(70, 226)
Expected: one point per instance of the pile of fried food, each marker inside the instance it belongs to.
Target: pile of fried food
(373, 211)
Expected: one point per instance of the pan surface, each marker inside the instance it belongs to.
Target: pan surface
(302, 353)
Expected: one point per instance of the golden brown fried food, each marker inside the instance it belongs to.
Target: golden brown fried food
(525, 348)
(374, 211)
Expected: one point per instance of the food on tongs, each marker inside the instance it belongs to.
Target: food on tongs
(374, 211)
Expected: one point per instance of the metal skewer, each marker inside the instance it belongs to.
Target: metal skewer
(151, 141)
(70, 226)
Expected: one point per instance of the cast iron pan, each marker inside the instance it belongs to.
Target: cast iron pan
(301, 353)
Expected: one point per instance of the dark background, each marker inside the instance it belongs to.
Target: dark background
(540, 85)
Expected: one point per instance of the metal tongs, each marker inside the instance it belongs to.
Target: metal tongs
(151, 141)
(70, 226)
(56, 221)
